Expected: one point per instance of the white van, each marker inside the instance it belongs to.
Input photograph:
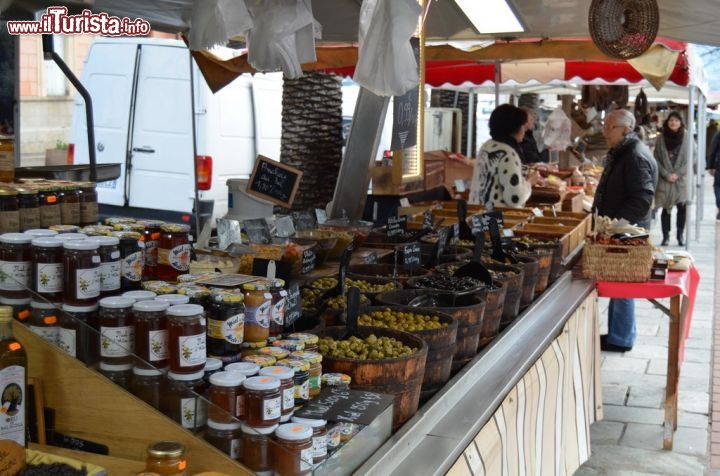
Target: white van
(154, 114)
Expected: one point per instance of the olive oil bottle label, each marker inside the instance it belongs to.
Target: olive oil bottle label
(117, 341)
(158, 345)
(15, 275)
(12, 404)
(192, 350)
(67, 341)
(49, 277)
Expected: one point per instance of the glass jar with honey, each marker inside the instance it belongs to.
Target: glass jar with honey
(187, 338)
(166, 458)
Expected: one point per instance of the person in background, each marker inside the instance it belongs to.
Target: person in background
(713, 160)
(528, 145)
(625, 190)
(497, 178)
(671, 155)
(710, 132)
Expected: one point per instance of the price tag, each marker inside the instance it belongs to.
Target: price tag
(428, 220)
(411, 254)
(304, 220)
(396, 225)
(321, 216)
(308, 261)
(294, 307)
(537, 212)
(507, 232)
(404, 202)
(459, 185)
(257, 231)
(443, 238)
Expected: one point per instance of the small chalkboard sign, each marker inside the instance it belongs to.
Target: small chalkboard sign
(273, 181)
(481, 222)
(456, 230)
(294, 307)
(308, 261)
(411, 254)
(443, 239)
(321, 216)
(257, 231)
(344, 405)
(304, 220)
(428, 220)
(396, 225)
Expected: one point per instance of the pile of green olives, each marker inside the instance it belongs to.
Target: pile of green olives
(370, 348)
(340, 302)
(401, 320)
(324, 283)
(370, 287)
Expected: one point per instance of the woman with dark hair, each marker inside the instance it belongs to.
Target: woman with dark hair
(671, 191)
(498, 178)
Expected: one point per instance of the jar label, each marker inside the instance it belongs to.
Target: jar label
(306, 459)
(49, 333)
(117, 341)
(9, 221)
(70, 213)
(49, 277)
(87, 283)
(302, 391)
(15, 275)
(151, 252)
(278, 312)
(259, 315)
(272, 407)
(158, 341)
(233, 328)
(234, 448)
(12, 380)
(193, 413)
(240, 405)
(110, 276)
(178, 257)
(288, 397)
(49, 214)
(29, 218)
(67, 341)
(192, 350)
(320, 446)
(132, 266)
(89, 212)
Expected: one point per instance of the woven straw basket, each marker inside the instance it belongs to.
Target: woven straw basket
(617, 263)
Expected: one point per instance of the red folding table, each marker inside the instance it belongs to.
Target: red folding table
(681, 288)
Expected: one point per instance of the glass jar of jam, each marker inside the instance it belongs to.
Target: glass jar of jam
(151, 238)
(88, 204)
(319, 437)
(15, 265)
(226, 437)
(166, 458)
(69, 199)
(38, 232)
(258, 302)
(212, 365)
(187, 334)
(146, 385)
(81, 272)
(248, 369)
(290, 345)
(278, 306)
(174, 251)
(47, 268)
(109, 264)
(182, 400)
(151, 333)
(251, 348)
(256, 448)
(315, 371)
(77, 337)
(277, 352)
(261, 360)
(63, 229)
(336, 379)
(49, 207)
(44, 321)
(132, 251)
(140, 295)
(226, 324)
(263, 401)
(28, 208)
(119, 374)
(9, 210)
(173, 299)
(310, 340)
(69, 235)
(117, 331)
(20, 306)
(301, 380)
(226, 396)
(96, 230)
(287, 388)
(294, 450)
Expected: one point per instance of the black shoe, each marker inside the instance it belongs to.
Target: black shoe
(681, 242)
(665, 241)
(717, 217)
(608, 347)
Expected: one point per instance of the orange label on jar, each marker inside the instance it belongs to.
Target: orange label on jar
(51, 199)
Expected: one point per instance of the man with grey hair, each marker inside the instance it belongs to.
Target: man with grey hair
(626, 191)
(529, 147)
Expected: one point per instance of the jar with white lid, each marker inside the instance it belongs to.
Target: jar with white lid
(151, 333)
(173, 299)
(287, 388)
(257, 449)
(117, 330)
(226, 396)
(140, 295)
(44, 320)
(183, 401)
(319, 438)
(187, 331)
(109, 264)
(248, 369)
(81, 272)
(15, 265)
(78, 335)
(263, 401)
(294, 450)
(47, 267)
(37, 232)
(226, 437)
(146, 384)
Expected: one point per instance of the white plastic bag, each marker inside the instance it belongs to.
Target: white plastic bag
(214, 22)
(556, 134)
(386, 64)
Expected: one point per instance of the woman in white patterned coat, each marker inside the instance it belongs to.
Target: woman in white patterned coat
(498, 179)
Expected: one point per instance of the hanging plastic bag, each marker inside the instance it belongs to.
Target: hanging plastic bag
(386, 64)
(556, 134)
(214, 22)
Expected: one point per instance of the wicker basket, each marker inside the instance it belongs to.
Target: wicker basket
(617, 263)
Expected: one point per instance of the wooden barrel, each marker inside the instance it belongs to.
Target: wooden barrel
(401, 377)
(546, 259)
(468, 311)
(385, 271)
(512, 278)
(494, 302)
(530, 277)
(452, 253)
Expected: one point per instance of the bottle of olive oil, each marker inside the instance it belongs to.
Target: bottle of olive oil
(13, 382)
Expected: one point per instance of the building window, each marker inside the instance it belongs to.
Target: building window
(55, 82)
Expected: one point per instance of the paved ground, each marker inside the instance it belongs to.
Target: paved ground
(628, 442)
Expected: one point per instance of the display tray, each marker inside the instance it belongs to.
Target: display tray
(75, 173)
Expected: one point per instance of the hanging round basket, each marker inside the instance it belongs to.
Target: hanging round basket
(623, 29)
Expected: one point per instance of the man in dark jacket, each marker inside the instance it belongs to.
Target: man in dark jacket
(713, 161)
(626, 191)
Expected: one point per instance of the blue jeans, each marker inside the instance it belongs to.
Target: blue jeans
(621, 322)
(716, 187)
